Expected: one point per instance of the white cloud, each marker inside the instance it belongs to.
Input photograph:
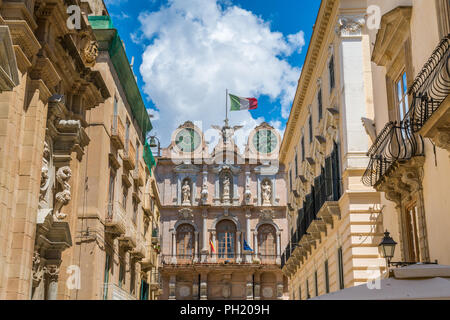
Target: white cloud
(199, 48)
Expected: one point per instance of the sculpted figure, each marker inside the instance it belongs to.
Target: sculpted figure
(267, 192)
(62, 198)
(226, 188)
(186, 190)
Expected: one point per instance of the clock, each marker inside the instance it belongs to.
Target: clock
(187, 140)
(265, 141)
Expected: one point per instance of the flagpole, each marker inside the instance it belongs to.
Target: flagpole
(226, 107)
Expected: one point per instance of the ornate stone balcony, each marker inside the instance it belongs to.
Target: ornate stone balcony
(430, 108)
(115, 220)
(395, 160)
(139, 252)
(129, 238)
(155, 281)
(117, 132)
(150, 260)
(114, 292)
(129, 156)
(139, 174)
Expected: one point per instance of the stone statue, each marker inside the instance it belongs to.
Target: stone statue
(62, 198)
(267, 193)
(45, 178)
(226, 188)
(186, 190)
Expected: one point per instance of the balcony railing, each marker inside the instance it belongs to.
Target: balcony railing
(395, 143)
(113, 292)
(129, 156)
(326, 189)
(155, 280)
(432, 85)
(117, 132)
(115, 219)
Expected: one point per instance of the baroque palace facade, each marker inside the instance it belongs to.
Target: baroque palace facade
(366, 145)
(79, 204)
(223, 216)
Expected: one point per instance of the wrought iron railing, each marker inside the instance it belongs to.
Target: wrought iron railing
(431, 86)
(396, 142)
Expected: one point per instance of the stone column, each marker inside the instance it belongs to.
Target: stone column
(52, 273)
(248, 255)
(174, 247)
(238, 247)
(214, 257)
(172, 287)
(278, 248)
(257, 284)
(204, 286)
(196, 246)
(249, 287)
(255, 244)
(205, 236)
(195, 287)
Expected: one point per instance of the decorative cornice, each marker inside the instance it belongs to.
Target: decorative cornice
(317, 39)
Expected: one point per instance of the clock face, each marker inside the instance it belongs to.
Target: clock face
(265, 141)
(188, 140)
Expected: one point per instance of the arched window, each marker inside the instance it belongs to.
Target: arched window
(226, 236)
(185, 243)
(267, 243)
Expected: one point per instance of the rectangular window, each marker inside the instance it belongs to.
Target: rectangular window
(412, 233)
(125, 197)
(319, 102)
(296, 164)
(308, 296)
(135, 210)
(106, 277)
(327, 278)
(127, 134)
(340, 269)
(316, 284)
(310, 130)
(137, 152)
(116, 108)
(303, 148)
(331, 72)
(121, 272)
(299, 292)
(402, 96)
(112, 178)
(290, 179)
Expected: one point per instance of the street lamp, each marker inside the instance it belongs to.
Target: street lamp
(388, 247)
(154, 142)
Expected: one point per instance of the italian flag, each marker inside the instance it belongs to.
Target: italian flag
(238, 103)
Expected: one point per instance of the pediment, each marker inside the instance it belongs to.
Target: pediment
(186, 168)
(9, 75)
(394, 30)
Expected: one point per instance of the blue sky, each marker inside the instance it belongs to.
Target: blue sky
(187, 52)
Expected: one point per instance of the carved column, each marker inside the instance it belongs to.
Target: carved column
(214, 257)
(174, 247)
(249, 287)
(172, 287)
(205, 236)
(52, 274)
(196, 247)
(255, 244)
(238, 247)
(204, 286)
(248, 255)
(278, 248)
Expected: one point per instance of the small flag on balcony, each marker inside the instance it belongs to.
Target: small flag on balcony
(213, 249)
(247, 247)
